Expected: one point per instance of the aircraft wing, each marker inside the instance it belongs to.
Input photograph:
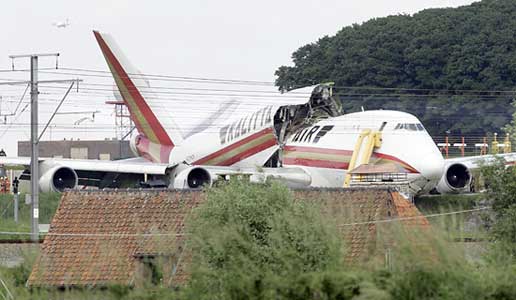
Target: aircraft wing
(58, 174)
(132, 165)
(458, 176)
(475, 162)
(186, 177)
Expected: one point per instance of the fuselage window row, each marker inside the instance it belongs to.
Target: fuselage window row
(409, 126)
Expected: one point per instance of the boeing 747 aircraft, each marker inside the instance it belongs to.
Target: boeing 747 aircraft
(306, 139)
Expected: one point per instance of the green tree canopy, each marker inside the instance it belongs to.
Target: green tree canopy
(437, 64)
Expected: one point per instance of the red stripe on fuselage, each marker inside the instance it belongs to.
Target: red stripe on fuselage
(250, 152)
(317, 150)
(316, 163)
(395, 159)
(149, 116)
(334, 164)
(233, 146)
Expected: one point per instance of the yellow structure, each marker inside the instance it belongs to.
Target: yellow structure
(494, 145)
(374, 140)
(507, 147)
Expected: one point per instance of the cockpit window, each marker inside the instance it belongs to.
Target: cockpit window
(409, 127)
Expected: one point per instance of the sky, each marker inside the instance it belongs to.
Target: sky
(235, 39)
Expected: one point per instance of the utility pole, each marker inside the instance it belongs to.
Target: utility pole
(34, 158)
(34, 137)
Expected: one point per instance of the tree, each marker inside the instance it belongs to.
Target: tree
(501, 187)
(255, 242)
(461, 50)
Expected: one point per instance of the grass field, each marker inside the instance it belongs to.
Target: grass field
(48, 203)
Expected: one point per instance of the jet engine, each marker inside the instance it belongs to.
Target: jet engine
(56, 178)
(133, 143)
(457, 178)
(192, 178)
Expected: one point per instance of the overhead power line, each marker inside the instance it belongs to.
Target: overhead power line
(417, 217)
(183, 234)
(160, 77)
(513, 92)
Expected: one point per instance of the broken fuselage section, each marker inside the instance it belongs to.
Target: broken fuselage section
(298, 119)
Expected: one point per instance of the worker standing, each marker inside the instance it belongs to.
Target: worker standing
(3, 174)
(16, 182)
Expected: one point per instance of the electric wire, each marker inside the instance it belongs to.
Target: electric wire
(183, 234)
(212, 93)
(81, 71)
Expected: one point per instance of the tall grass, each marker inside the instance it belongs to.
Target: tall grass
(48, 203)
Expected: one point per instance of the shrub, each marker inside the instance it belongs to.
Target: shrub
(501, 189)
(252, 241)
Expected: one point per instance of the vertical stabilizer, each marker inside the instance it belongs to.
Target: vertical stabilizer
(152, 119)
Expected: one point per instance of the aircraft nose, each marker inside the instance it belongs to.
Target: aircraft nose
(432, 166)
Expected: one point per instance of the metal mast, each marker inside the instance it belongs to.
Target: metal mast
(34, 134)
(34, 158)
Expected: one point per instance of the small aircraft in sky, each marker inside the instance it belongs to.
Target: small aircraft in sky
(300, 137)
(62, 24)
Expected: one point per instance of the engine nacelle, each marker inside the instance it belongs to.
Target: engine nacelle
(191, 178)
(292, 177)
(133, 143)
(457, 178)
(56, 178)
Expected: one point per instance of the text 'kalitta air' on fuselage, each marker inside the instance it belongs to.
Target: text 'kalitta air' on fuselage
(253, 122)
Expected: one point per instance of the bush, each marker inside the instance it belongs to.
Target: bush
(252, 241)
(257, 242)
(436, 283)
(501, 189)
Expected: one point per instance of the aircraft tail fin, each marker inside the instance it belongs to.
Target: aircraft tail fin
(146, 111)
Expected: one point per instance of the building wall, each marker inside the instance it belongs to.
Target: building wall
(101, 149)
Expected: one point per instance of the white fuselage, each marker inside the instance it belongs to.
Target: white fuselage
(405, 142)
(324, 149)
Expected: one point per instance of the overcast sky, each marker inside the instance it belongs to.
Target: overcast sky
(235, 39)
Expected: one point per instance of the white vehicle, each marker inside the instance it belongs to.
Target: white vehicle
(302, 132)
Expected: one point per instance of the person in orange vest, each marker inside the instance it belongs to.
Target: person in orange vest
(2, 185)
(7, 185)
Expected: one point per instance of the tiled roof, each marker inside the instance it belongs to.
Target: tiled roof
(86, 243)
(104, 258)
(406, 209)
(355, 211)
(348, 206)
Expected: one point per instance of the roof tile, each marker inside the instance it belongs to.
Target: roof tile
(86, 243)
